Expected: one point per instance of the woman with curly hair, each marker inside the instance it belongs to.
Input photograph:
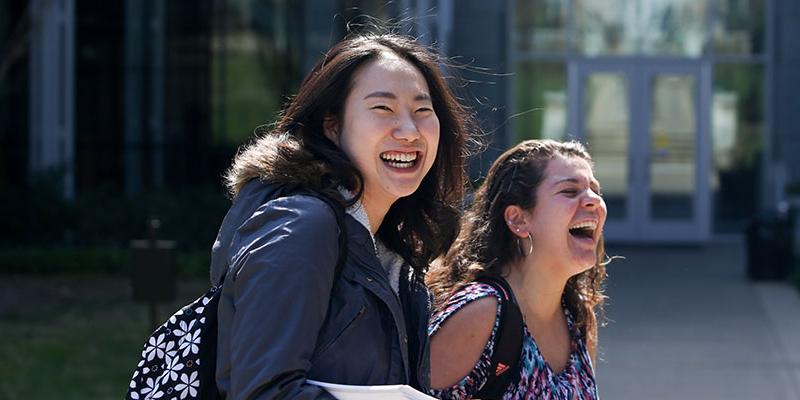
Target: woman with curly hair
(535, 228)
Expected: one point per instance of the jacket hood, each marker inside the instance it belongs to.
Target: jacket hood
(275, 158)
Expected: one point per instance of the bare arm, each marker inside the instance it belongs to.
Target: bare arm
(457, 346)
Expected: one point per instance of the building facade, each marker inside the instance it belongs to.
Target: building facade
(687, 106)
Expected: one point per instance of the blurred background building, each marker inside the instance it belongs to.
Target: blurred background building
(688, 106)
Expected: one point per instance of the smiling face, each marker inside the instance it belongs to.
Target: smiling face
(389, 129)
(569, 215)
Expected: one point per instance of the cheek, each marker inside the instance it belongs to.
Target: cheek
(432, 136)
(355, 151)
(347, 144)
(552, 218)
(433, 148)
(355, 138)
(602, 211)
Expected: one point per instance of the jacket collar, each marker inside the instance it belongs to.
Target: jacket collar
(359, 213)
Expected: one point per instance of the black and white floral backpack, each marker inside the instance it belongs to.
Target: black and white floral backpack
(179, 359)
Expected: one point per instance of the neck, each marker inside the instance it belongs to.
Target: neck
(537, 290)
(376, 210)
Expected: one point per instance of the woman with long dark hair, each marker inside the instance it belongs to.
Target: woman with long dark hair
(375, 129)
(535, 226)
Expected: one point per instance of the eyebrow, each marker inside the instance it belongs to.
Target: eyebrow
(567, 180)
(390, 95)
(575, 181)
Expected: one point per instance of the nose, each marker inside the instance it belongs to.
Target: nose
(405, 129)
(591, 199)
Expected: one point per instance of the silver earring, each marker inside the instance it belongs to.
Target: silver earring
(511, 225)
(530, 246)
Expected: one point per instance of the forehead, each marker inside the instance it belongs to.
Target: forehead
(560, 168)
(389, 73)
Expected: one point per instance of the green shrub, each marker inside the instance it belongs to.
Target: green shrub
(46, 234)
(63, 260)
(91, 260)
(194, 263)
(38, 216)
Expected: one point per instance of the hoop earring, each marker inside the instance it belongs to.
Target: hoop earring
(530, 246)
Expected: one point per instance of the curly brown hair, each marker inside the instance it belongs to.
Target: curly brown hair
(485, 245)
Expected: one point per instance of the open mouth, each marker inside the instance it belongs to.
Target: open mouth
(583, 230)
(402, 160)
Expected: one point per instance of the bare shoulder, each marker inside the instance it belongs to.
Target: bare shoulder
(457, 345)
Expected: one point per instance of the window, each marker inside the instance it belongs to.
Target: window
(739, 26)
(256, 51)
(541, 101)
(540, 26)
(737, 142)
(618, 27)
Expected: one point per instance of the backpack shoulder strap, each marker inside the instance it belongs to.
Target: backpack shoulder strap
(507, 345)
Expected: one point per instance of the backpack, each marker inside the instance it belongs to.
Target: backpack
(179, 358)
(507, 345)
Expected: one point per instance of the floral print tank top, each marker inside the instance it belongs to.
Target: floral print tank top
(537, 380)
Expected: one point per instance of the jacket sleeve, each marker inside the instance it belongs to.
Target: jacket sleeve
(283, 258)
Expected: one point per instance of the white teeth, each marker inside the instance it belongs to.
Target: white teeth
(399, 157)
(399, 165)
(588, 224)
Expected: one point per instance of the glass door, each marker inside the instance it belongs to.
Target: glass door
(642, 124)
(676, 154)
(606, 124)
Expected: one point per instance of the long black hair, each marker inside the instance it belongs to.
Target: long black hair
(419, 227)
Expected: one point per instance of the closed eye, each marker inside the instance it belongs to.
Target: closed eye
(424, 109)
(381, 107)
(570, 192)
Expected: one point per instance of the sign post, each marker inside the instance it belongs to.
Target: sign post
(153, 271)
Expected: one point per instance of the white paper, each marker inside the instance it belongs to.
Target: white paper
(382, 392)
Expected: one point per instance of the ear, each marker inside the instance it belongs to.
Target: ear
(330, 127)
(515, 219)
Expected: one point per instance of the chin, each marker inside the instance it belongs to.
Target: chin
(584, 264)
(403, 191)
